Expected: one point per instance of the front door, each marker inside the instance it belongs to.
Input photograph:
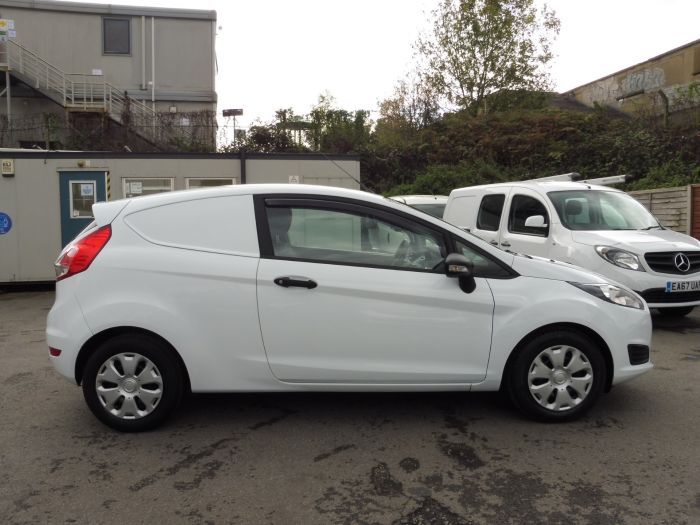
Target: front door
(79, 190)
(516, 236)
(348, 294)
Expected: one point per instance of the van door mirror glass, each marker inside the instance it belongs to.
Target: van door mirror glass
(457, 265)
(535, 221)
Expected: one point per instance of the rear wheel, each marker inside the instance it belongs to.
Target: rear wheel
(679, 311)
(557, 376)
(132, 382)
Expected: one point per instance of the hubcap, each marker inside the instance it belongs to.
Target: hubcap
(129, 385)
(560, 378)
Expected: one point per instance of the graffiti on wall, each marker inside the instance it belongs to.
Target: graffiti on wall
(611, 90)
(642, 81)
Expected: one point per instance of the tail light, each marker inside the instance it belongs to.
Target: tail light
(77, 256)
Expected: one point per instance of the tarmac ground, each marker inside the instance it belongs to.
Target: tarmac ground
(436, 458)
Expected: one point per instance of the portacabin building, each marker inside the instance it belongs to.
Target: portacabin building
(46, 197)
(140, 73)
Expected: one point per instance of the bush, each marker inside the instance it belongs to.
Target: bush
(442, 179)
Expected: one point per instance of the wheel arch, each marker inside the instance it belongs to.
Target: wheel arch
(570, 327)
(96, 340)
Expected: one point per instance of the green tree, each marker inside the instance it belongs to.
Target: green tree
(334, 130)
(271, 137)
(413, 105)
(478, 48)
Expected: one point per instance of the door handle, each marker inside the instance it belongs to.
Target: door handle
(506, 244)
(495, 243)
(300, 282)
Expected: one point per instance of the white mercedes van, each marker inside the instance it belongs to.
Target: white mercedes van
(595, 227)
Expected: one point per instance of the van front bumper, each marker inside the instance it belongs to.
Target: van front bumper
(652, 286)
(660, 298)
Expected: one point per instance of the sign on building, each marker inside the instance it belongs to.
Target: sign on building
(7, 29)
(8, 166)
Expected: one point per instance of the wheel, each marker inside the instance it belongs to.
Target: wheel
(132, 382)
(557, 376)
(678, 311)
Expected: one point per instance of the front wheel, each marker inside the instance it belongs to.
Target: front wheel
(557, 376)
(678, 311)
(132, 382)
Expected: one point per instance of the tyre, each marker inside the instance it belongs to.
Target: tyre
(132, 382)
(557, 376)
(678, 311)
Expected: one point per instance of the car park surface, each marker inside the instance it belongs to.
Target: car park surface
(272, 288)
(324, 458)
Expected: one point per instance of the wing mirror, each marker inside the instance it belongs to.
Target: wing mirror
(535, 221)
(457, 265)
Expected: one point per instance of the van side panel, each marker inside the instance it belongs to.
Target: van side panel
(461, 211)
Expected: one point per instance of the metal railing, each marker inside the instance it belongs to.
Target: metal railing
(86, 92)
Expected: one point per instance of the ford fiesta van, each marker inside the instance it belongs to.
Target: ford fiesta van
(596, 227)
(293, 287)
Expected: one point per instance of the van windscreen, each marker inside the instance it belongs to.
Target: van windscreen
(601, 210)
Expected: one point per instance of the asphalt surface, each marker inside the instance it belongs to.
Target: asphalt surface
(348, 458)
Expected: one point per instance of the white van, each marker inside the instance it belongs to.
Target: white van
(596, 227)
(431, 204)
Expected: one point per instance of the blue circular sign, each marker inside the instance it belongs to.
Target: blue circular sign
(5, 223)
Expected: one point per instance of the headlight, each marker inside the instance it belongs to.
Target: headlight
(621, 258)
(612, 294)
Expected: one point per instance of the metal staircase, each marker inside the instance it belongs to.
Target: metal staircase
(85, 93)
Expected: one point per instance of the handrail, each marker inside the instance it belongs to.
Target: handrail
(87, 91)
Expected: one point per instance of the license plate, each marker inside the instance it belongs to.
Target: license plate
(683, 286)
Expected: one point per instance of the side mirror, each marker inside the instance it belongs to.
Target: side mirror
(535, 221)
(457, 265)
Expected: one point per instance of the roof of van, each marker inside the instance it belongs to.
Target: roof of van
(420, 199)
(544, 186)
(112, 208)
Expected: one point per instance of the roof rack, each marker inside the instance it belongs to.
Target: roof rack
(564, 177)
(613, 179)
(577, 177)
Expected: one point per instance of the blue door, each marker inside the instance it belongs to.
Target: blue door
(79, 190)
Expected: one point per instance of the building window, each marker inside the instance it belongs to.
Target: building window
(82, 197)
(208, 183)
(116, 36)
(134, 187)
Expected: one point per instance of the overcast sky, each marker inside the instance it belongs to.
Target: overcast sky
(276, 54)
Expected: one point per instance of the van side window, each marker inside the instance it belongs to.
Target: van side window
(522, 207)
(351, 237)
(483, 265)
(490, 211)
